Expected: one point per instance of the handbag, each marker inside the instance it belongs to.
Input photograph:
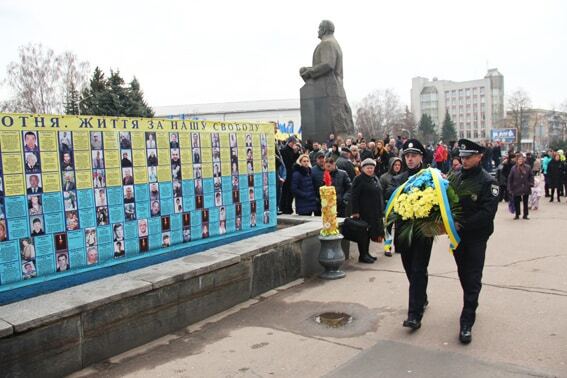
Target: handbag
(355, 230)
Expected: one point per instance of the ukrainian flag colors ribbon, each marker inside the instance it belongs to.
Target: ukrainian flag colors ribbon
(440, 188)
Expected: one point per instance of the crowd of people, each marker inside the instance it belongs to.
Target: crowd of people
(365, 172)
(523, 178)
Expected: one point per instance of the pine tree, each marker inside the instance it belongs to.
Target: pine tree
(448, 132)
(94, 99)
(136, 105)
(111, 97)
(426, 129)
(72, 100)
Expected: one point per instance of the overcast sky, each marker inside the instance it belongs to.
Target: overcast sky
(186, 52)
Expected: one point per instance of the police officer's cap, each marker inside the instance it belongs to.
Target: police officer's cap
(468, 148)
(413, 145)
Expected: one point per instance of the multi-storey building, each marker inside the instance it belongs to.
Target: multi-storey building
(476, 106)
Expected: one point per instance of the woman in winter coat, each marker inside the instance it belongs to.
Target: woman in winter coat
(302, 187)
(554, 178)
(368, 205)
(382, 156)
(394, 168)
(520, 183)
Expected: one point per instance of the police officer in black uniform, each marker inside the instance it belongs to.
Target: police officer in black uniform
(417, 251)
(475, 226)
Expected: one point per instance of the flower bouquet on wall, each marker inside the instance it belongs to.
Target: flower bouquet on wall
(428, 204)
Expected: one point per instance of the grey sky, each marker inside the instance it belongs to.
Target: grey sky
(214, 51)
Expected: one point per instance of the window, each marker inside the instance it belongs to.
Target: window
(468, 133)
(481, 91)
(454, 93)
(468, 92)
(475, 134)
(461, 125)
(461, 134)
(468, 101)
(482, 100)
(483, 133)
(460, 93)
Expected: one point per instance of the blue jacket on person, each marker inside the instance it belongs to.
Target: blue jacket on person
(303, 190)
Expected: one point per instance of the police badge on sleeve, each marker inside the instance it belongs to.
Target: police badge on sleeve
(495, 190)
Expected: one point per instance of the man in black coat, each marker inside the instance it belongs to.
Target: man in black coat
(344, 163)
(340, 181)
(475, 226)
(417, 251)
(289, 156)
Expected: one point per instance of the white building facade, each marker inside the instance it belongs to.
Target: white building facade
(285, 113)
(475, 106)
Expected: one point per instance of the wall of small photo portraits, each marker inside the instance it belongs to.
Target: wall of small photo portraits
(74, 200)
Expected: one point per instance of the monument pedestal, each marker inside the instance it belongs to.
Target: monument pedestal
(324, 110)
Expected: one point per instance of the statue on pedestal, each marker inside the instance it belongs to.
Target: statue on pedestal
(324, 106)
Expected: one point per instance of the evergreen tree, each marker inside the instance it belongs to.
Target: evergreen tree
(136, 105)
(94, 99)
(426, 129)
(72, 100)
(117, 94)
(111, 97)
(448, 132)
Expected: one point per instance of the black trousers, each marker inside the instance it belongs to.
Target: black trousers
(553, 194)
(524, 199)
(364, 247)
(469, 257)
(415, 259)
(287, 198)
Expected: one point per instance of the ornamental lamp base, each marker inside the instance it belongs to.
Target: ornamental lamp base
(331, 257)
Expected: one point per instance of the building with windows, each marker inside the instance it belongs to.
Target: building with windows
(476, 106)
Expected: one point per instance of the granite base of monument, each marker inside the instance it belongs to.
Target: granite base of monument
(323, 115)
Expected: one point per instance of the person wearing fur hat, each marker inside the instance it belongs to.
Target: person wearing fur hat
(368, 205)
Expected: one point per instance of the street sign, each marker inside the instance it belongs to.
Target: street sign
(504, 135)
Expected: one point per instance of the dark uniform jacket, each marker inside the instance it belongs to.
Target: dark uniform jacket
(479, 207)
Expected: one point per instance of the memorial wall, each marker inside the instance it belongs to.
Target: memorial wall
(80, 193)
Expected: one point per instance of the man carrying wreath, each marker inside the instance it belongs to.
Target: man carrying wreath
(417, 250)
(475, 226)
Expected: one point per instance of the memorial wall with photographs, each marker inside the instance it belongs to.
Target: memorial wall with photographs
(78, 193)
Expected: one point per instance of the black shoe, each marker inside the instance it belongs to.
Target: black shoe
(388, 253)
(425, 305)
(412, 323)
(516, 217)
(366, 259)
(465, 336)
(551, 200)
(525, 217)
(373, 258)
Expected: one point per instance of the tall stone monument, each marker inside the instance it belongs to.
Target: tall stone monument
(324, 106)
